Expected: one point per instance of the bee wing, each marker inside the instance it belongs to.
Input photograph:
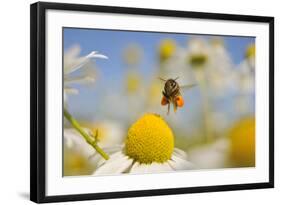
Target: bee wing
(187, 86)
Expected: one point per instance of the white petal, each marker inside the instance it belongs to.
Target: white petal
(72, 64)
(95, 54)
(180, 153)
(74, 140)
(117, 164)
(178, 163)
(138, 168)
(159, 167)
(97, 159)
(80, 79)
(150, 168)
(69, 90)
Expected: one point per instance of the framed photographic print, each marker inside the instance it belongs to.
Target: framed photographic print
(129, 102)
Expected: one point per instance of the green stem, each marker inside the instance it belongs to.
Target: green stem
(88, 139)
(200, 75)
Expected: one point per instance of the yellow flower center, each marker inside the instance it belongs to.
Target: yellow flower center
(242, 136)
(133, 82)
(149, 140)
(167, 49)
(251, 51)
(75, 163)
(198, 60)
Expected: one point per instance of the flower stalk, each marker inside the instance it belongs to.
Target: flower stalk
(200, 75)
(90, 140)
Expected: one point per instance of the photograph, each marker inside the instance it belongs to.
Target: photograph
(143, 102)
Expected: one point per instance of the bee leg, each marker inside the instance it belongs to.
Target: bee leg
(165, 95)
(168, 109)
(175, 107)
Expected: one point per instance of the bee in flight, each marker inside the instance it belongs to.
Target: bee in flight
(172, 94)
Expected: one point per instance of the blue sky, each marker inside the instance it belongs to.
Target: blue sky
(112, 44)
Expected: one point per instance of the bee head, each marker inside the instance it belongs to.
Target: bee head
(171, 83)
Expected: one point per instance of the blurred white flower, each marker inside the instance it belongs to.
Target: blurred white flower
(109, 134)
(73, 140)
(246, 75)
(212, 65)
(246, 83)
(213, 155)
(73, 62)
(76, 153)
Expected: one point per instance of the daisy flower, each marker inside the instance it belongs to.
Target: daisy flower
(72, 63)
(148, 148)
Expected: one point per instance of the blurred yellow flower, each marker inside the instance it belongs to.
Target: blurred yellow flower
(167, 49)
(76, 154)
(242, 137)
(132, 54)
(75, 163)
(133, 82)
(149, 147)
(251, 51)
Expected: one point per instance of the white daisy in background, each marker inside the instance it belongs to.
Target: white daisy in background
(76, 153)
(73, 62)
(148, 148)
(246, 83)
(198, 60)
(221, 75)
(211, 63)
(246, 70)
(79, 156)
(211, 155)
(217, 78)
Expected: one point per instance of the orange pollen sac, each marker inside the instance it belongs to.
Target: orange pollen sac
(164, 101)
(179, 101)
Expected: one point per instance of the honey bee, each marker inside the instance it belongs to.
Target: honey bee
(172, 94)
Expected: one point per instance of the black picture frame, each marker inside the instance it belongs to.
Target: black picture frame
(38, 101)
